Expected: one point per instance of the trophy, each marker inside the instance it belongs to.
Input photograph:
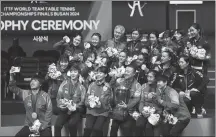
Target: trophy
(121, 95)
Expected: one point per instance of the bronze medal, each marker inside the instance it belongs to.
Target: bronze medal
(34, 115)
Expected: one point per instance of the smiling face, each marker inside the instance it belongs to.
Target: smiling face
(129, 72)
(117, 33)
(95, 40)
(183, 64)
(192, 32)
(122, 57)
(165, 57)
(161, 84)
(153, 38)
(63, 65)
(140, 60)
(100, 76)
(91, 57)
(178, 36)
(77, 40)
(135, 35)
(35, 84)
(74, 74)
(151, 78)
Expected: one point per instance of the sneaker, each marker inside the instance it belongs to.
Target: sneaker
(200, 115)
(203, 111)
(193, 110)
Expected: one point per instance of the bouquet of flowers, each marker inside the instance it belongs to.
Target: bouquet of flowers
(87, 45)
(111, 51)
(197, 53)
(135, 115)
(154, 59)
(77, 57)
(68, 104)
(66, 39)
(169, 118)
(88, 63)
(117, 72)
(93, 101)
(148, 109)
(130, 59)
(100, 61)
(53, 72)
(92, 75)
(153, 118)
(36, 125)
(64, 101)
(71, 105)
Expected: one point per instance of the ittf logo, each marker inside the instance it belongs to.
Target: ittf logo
(136, 4)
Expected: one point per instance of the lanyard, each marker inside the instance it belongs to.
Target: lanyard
(34, 102)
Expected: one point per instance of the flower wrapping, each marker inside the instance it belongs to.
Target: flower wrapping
(117, 72)
(154, 119)
(53, 72)
(197, 53)
(201, 53)
(67, 39)
(111, 51)
(87, 45)
(153, 59)
(93, 75)
(88, 64)
(170, 118)
(93, 101)
(130, 59)
(64, 101)
(100, 61)
(36, 125)
(148, 109)
(135, 115)
(71, 105)
(143, 67)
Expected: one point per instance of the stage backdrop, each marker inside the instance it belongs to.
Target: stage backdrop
(42, 24)
(146, 15)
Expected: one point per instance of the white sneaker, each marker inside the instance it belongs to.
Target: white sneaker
(203, 111)
(200, 115)
(193, 110)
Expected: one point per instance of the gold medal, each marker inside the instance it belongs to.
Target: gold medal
(34, 115)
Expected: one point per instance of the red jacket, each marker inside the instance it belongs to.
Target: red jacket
(145, 101)
(43, 105)
(120, 46)
(71, 92)
(134, 89)
(105, 94)
(173, 103)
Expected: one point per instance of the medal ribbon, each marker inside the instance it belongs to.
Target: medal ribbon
(34, 102)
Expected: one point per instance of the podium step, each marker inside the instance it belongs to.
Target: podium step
(200, 127)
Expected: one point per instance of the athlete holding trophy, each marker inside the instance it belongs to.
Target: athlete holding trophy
(37, 104)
